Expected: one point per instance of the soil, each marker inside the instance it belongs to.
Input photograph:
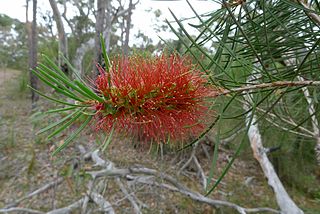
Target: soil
(27, 164)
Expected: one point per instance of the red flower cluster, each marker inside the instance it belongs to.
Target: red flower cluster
(154, 99)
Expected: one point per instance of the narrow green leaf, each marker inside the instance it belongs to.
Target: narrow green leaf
(64, 126)
(214, 160)
(74, 70)
(55, 100)
(298, 6)
(315, 45)
(59, 110)
(88, 91)
(240, 27)
(211, 125)
(59, 90)
(73, 136)
(55, 67)
(187, 46)
(108, 138)
(59, 122)
(67, 82)
(236, 154)
(104, 52)
(192, 40)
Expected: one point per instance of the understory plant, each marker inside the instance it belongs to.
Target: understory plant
(157, 99)
(265, 50)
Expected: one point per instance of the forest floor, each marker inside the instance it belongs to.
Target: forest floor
(26, 165)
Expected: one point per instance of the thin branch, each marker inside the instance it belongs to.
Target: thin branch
(68, 209)
(36, 192)
(277, 84)
(315, 17)
(103, 204)
(288, 121)
(200, 198)
(286, 129)
(128, 196)
(19, 209)
(311, 109)
(194, 158)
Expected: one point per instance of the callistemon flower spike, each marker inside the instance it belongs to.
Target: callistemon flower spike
(153, 98)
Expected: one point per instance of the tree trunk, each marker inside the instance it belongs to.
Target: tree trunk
(285, 203)
(63, 42)
(101, 8)
(311, 108)
(33, 54)
(127, 30)
(314, 120)
(80, 52)
(107, 31)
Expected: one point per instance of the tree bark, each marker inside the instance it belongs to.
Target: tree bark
(127, 30)
(107, 30)
(311, 109)
(80, 52)
(101, 9)
(33, 54)
(285, 203)
(63, 42)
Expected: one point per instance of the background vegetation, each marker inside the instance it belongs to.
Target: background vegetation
(243, 43)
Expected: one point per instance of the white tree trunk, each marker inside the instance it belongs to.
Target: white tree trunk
(311, 109)
(63, 42)
(314, 120)
(80, 52)
(285, 203)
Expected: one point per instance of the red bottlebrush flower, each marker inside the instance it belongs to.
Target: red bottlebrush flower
(154, 99)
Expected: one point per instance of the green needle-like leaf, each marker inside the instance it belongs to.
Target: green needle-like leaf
(105, 55)
(59, 122)
(56, 100)
(107, 140)
(72, 136)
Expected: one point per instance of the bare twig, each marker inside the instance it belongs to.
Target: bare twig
(194, 158)
(200, 198)
(20, 209)
(227, 140)
(177, 186)
(103, 204)
(315, 17)
(277, 84)
(36, 192)
(289, 121)
(128, 196)
(68, 209)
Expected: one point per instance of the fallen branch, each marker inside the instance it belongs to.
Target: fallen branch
(193, 158)
(68, 209)
(128, 196)
(136, 174)
(177, 186)
(200, 198)
(18, 209)
(36, 192)
(102, 203)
